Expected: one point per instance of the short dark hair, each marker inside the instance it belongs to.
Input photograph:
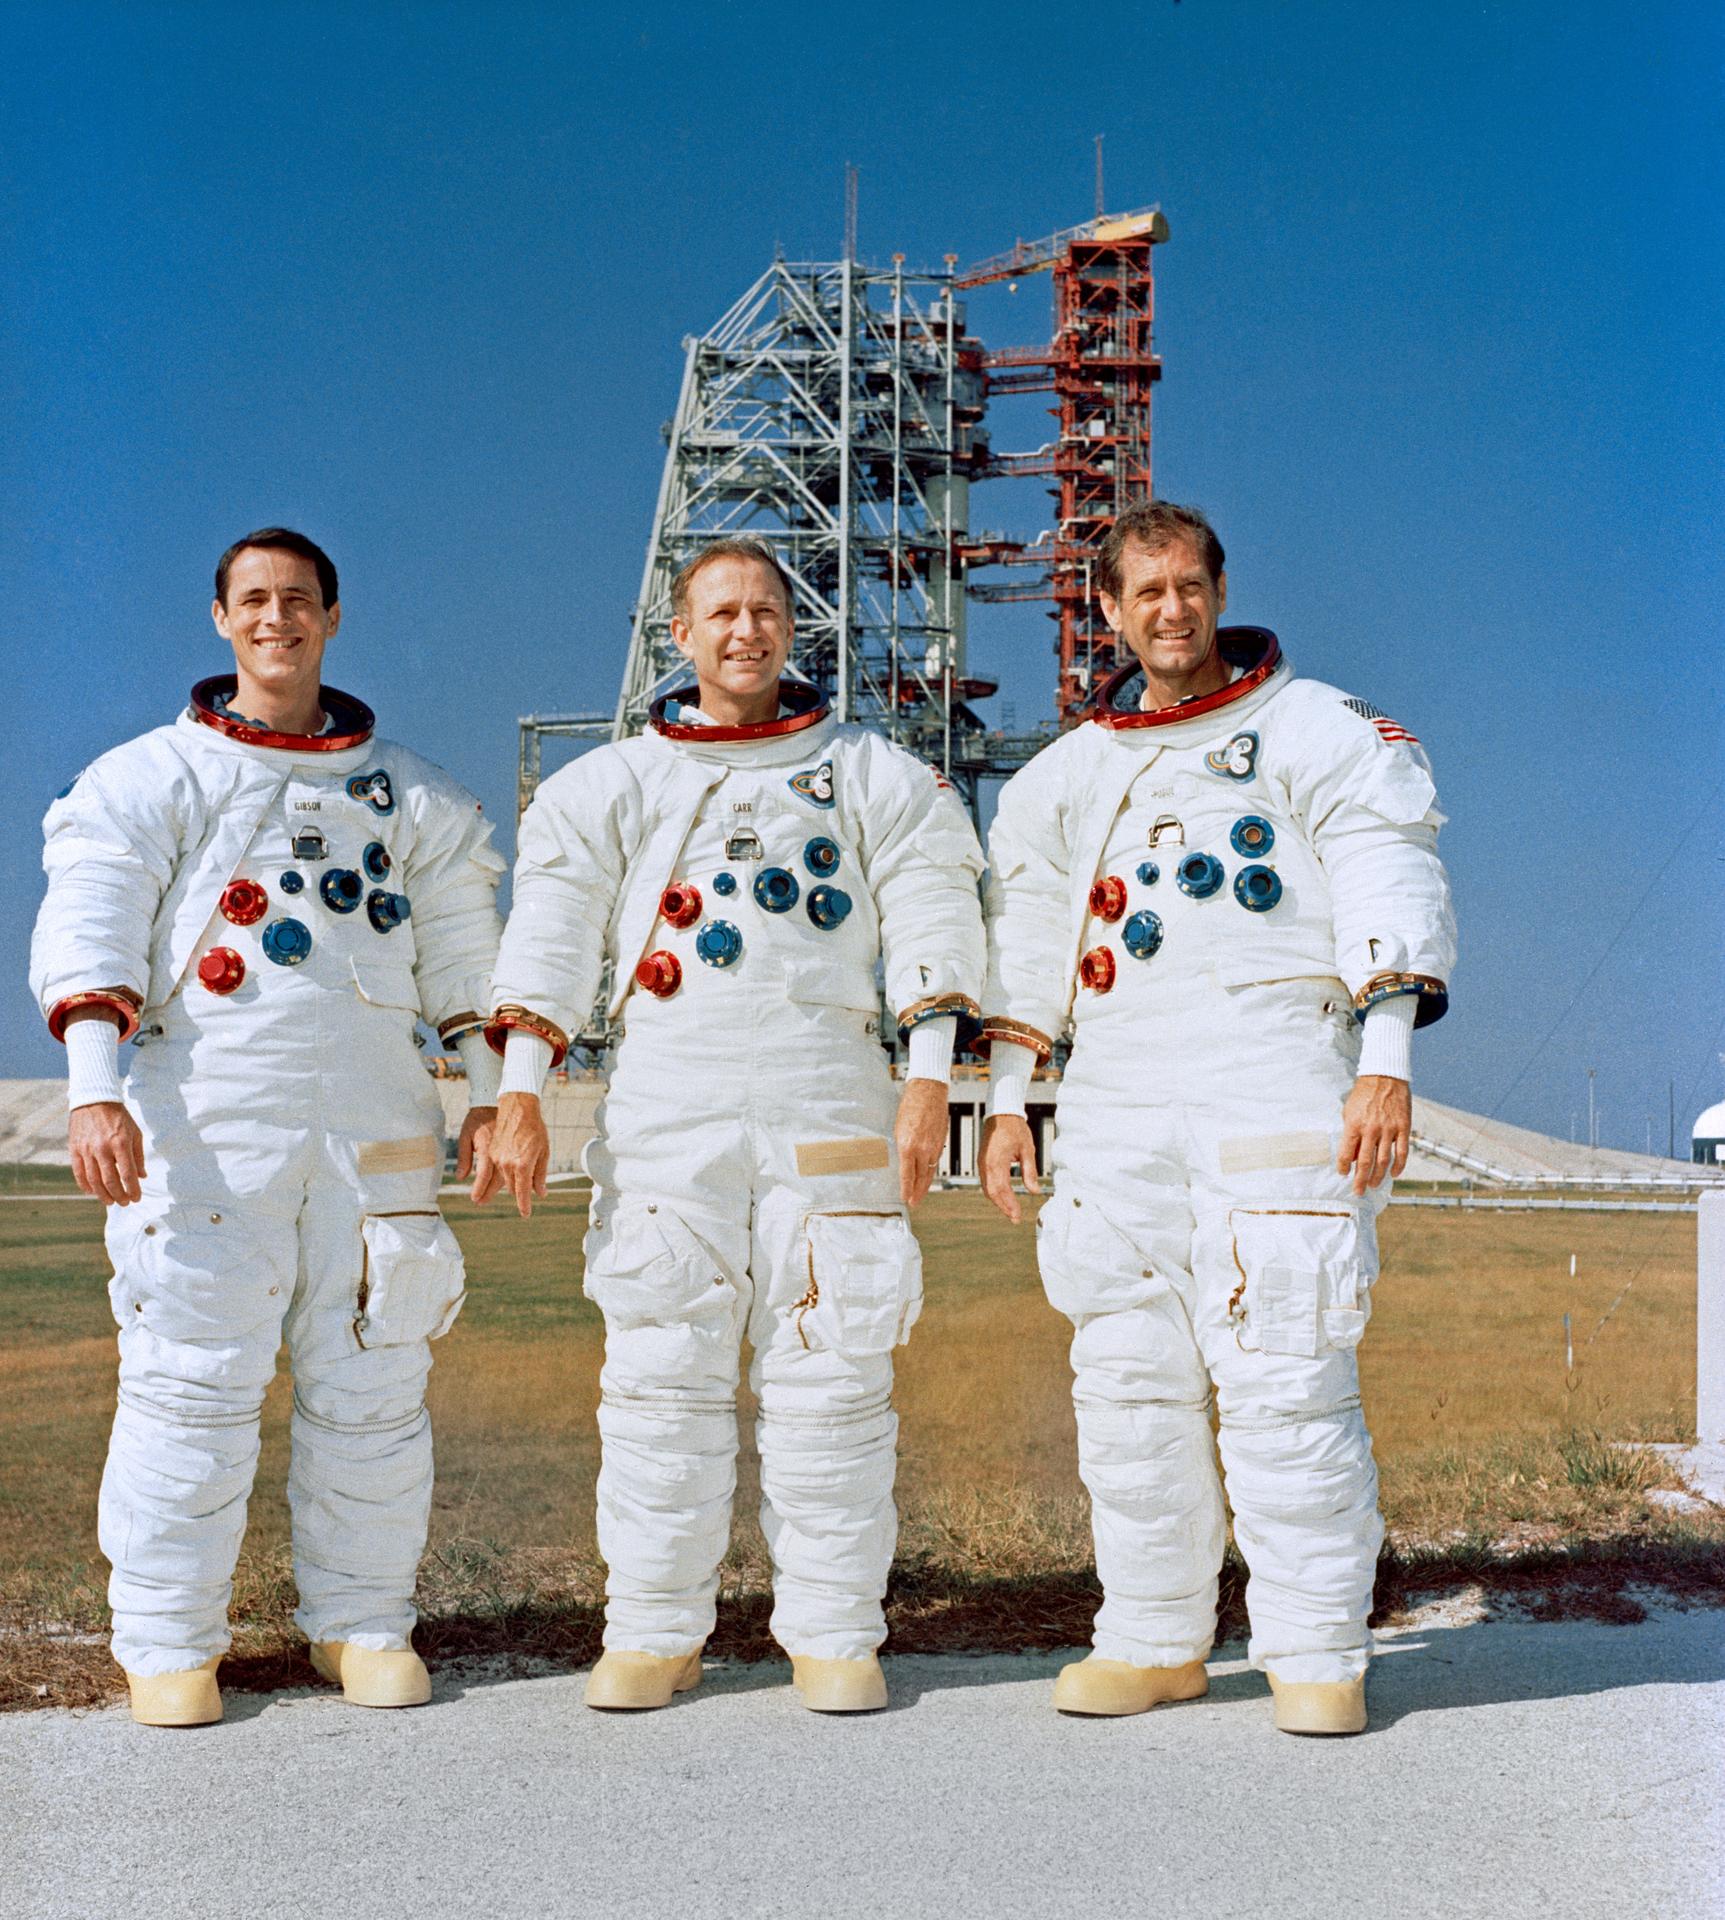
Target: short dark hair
(283, 540)
(741, 547)
(1157, 524)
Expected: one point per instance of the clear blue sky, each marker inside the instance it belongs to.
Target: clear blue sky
(1441, 318)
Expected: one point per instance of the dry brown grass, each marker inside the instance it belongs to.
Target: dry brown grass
(1498, 1470)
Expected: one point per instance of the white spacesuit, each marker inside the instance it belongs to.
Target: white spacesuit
(267, 914)
(744, 882)
(1216, 894)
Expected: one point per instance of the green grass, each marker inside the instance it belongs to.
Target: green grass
(17, 1178)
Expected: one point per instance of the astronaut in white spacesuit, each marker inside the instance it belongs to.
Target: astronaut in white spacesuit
(262, 896)
(744, 865)
(1219, 877)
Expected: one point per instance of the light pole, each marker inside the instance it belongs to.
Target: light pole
(1592, 1118)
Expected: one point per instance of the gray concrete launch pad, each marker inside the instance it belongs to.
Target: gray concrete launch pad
(1568, 1770)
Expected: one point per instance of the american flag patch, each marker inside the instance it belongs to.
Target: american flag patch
(1388, 729)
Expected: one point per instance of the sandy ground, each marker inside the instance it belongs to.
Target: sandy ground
(1518, 1769)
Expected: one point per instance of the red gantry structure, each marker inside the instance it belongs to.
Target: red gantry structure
(1101, 366)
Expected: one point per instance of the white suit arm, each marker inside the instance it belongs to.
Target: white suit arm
(1370, 806)
(569, 875)
(1388, 1046)
(92, 1064)
(1011, 1068)
(526, 1061)
(922, 860)
(1028, 900)
(451, 879)
(931, 1045)
(484, 1069)
(112, 848)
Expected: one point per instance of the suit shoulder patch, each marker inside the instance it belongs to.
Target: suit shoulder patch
(1386, 728)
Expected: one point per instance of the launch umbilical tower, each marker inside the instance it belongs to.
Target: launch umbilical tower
(837, 411)
(833, 411)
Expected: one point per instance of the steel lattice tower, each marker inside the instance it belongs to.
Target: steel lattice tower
(833, 411)
(837, 411)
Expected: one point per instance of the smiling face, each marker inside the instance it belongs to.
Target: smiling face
(737, 637)
(1166, 613)
(277, 623)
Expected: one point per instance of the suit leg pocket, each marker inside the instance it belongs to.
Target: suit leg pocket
(412, 1279)
(645, 1266)
(864, 1289)
(1303, 1279)
(1089, 1264)
(189, 1271)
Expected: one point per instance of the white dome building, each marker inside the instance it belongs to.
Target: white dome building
(1707, 1137)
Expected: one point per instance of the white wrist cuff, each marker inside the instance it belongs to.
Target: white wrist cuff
(1388, 1046)
(1009, 1069)
(92, 1062)
(484, 1069)
(931, 1044)
(526, 1061)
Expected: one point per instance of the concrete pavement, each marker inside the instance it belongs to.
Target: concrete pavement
(1567, 1770)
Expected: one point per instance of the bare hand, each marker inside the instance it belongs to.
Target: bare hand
(1377, 1118)
(475, 1143)
(107, 1152)
(1007, 1141)
(520, 1152)
(920, 1135)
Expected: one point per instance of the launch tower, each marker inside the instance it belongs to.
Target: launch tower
(834, 411)
(838, 411)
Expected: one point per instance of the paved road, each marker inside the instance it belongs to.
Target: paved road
(1515, 1770)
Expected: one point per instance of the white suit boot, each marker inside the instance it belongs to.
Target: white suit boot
(187, 1698)
(1320, 1706)
(374, 1676)
(625, 1682)
(839, 1686)
(1110, 1687)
